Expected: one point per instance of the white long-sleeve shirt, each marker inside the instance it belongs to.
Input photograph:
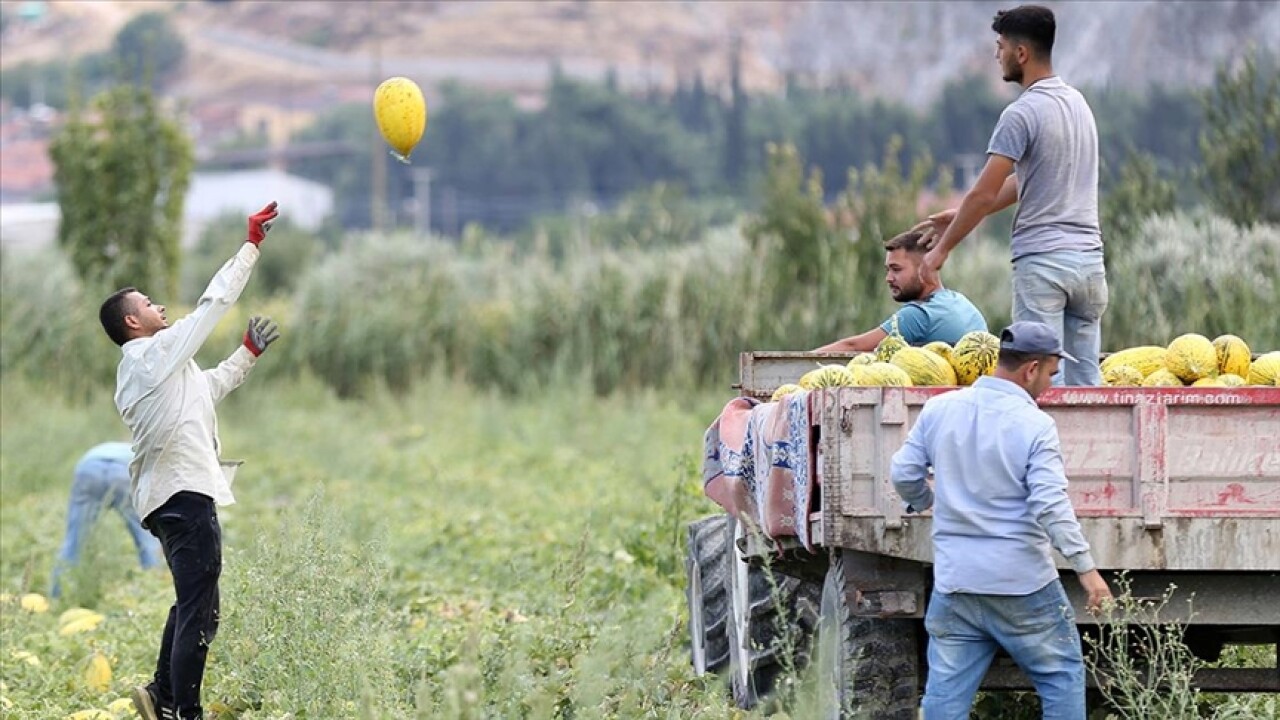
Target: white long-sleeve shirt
(168, 401)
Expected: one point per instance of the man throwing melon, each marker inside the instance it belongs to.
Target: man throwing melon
(168, 403)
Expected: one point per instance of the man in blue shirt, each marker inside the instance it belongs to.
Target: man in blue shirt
(931, 312)
(102, 480)
(1000, 506)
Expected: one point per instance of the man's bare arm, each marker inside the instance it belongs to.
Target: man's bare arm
(866, 342)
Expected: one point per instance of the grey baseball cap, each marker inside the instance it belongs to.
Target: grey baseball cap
(1032, 337)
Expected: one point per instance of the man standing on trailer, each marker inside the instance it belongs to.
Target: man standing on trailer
(1048, 136)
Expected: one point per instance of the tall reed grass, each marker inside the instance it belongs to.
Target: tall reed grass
(388, 309)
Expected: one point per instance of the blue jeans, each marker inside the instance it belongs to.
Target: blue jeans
(1067, 291)
(1037, 630)
(101, 483)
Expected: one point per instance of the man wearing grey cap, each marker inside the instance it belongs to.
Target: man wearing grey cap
(1000, 507)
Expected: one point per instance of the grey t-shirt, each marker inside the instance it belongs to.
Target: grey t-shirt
(1050, 135)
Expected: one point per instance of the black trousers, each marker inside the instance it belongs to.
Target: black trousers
(187, 527)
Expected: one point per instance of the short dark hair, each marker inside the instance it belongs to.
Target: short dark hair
(1014, 359)
(1031, 24)
(909, 241)
(112, 314)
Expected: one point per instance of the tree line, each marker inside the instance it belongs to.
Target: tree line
(499, 165)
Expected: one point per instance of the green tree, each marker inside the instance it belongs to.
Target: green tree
(1241, 141)
(148, 46)
(1137, 192)
(122, 173)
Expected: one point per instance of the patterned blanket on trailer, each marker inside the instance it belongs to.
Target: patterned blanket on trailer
(758, 460)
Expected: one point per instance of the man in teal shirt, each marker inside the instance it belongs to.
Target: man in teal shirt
(931, 312)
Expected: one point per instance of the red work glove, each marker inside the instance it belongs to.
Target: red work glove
(261, 333)
(260, 223)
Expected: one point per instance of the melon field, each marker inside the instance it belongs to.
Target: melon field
(440, 554)
(468, 471)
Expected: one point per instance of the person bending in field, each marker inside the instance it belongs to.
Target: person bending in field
(168, 402)
(930, 312)
(101, 480)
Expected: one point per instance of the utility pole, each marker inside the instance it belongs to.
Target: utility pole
(422, 199)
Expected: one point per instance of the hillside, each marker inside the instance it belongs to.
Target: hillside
(905, 50)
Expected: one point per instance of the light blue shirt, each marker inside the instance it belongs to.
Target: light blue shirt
(1001, 490)
(117, 452)
(945, 315)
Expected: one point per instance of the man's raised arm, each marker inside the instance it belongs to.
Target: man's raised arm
(175, 345)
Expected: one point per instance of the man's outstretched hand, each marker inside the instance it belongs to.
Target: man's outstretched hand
(261, 333)
(260, 223)
(932, 227)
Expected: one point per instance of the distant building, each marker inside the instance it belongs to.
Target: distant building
(243, 192)
(305, 203)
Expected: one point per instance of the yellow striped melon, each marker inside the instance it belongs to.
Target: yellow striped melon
(885, 374)
(1234, 355)
(1146, 359)
(863, 359)
(1230, 380)
(1207, 382)
(1191, 357)
(1265, 370)
(1162, 378)
(783, 391)
(1121, 376)
(888, 346)
(924, 367)
(828, 376)
(975, 355)
(940, 348)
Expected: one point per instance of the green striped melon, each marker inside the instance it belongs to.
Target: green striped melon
(975, 355)
(888, 346)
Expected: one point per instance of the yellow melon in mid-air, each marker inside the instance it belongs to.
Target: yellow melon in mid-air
(401, 114)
